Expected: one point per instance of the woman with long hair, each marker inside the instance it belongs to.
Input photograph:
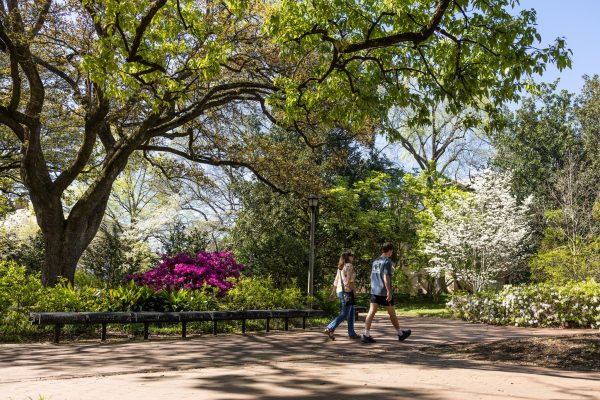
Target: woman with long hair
(343, 287)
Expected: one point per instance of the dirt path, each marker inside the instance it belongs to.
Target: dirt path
(298, 364)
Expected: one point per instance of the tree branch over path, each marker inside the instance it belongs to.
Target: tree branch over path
(214, 162)
(415, 38)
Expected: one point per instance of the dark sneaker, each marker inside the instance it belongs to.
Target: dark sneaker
(405, 333)
(367, 339)
(329, 333)
(355, 336)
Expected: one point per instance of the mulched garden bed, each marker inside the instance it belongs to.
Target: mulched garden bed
(575, 353)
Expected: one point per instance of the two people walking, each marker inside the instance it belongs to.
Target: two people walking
(381, 295)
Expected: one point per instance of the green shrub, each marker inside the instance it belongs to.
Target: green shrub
(260, 293)
(27, 252)
(131, 297)
(321, 301)
(19, 295)
(574, 304)
(561, 264)
(113, 255)
(22, 293)
(66, 298)
(86, 278)
(188, 300)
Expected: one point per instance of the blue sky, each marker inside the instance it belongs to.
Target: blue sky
(577, 21)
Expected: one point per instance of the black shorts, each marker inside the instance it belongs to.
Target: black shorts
(381, 300)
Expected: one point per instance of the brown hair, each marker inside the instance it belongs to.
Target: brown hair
(387, 246)
(344, 259)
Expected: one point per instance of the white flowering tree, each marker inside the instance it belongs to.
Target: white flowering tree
(481, 236)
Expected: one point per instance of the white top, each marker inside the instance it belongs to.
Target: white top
(348, 275)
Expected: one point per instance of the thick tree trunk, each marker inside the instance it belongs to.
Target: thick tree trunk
(60, 259)
(66, 242)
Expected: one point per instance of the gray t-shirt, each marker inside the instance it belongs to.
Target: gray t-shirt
(381, 266)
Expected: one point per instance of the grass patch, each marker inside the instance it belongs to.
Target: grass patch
(422, 306)
(408, 311)
(413, 306)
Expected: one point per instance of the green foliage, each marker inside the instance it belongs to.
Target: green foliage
(426, 194)
(182, 239)
(65, 297)
(570, 247)
(270, 234)
(321, 301)
(87, 279)
(574, 304)
(551, 147)
(271, 231)
(422, 306)
(27, 252)
(401, 283)
(203, 44)
(131, 297)
(362, 216)
(537, 140)
(356, 46)
(559, 264)
(20, 294)
(144, 76)
(112, 255)
(188, 300)
(429, 192)
(359, 212)
(587, 109)
(261, 293)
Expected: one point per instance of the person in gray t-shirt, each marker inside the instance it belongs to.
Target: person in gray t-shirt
(381, 294)
(382, 266)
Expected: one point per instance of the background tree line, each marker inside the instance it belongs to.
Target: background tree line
(126, 132)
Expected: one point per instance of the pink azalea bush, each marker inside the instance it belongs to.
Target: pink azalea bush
(185, 271)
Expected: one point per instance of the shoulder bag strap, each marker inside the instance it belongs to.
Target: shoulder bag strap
(342, 278)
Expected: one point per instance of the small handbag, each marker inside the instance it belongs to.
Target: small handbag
(347, 297)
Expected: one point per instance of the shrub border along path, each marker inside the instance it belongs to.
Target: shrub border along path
(574, 304)
(288, 365)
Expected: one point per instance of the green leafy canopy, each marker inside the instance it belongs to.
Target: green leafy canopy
(364, 56)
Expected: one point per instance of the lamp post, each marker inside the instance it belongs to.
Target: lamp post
(313, 203)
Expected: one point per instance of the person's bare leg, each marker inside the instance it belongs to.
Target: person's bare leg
(392, 312)
(370, 316)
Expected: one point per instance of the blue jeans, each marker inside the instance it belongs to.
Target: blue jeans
(346, 313)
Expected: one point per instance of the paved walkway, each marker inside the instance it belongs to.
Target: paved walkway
(298, 364)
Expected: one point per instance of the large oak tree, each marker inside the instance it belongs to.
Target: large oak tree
(88, 83)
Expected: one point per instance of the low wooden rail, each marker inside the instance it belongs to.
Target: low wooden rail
(357, 310)
(59, 319)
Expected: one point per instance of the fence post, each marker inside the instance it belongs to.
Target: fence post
(57, 332)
